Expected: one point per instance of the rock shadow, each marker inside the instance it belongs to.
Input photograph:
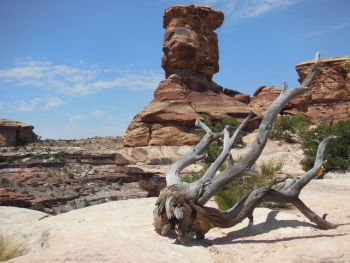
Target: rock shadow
(269, 225)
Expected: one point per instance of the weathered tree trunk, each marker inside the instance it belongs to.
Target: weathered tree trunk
(180, 206)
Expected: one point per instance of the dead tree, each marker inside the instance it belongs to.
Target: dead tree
(180, 206)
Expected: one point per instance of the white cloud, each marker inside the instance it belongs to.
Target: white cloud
(323, 31)
(97, 113)
(77, 117)
(37, 103)
(75, 81)
(244, 9)
(53, 102)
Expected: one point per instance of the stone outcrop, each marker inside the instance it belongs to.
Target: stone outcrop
(329, 100)
(13, 133)
(58, 176)
(190, 41)
(190, 58)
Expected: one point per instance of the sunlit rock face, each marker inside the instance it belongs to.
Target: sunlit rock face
(190, 59)
(326, 103)
(329, 100)
(190, 41)
(13, 133)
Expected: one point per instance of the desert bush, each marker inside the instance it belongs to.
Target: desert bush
(287, 127)
(238, 189)
(38, 206)
(68, 172)
(11, 248)
(213, 150)
(4, 182)
(77, 159)
(194, 176)
(337, 154)
(86, 203)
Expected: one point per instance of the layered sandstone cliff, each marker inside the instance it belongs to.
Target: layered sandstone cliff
(329, 99)
(190, 58)
(13, 133)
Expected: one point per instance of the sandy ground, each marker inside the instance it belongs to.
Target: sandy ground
(122, 231)
(288, 236)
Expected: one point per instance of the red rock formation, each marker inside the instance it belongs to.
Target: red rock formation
(190, 58)
(14, 133)
(189, 41)
(9, 198)
(329, 100)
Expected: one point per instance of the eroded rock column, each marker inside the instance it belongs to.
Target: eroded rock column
(190, 59)
(190, 41)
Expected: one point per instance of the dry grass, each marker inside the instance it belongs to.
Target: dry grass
(10, 247)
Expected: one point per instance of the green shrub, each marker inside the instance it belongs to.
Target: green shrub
(38, 206)
(239, 188)
(337, 154)
(286, 127)
(11, 248)
(70, 175)
(77, 159)
(194, 176)
(86, 203)
(214, 149)
(4, 182)
(60, 156)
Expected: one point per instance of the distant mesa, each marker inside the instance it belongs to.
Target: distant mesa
(14, 133)
(190, 59)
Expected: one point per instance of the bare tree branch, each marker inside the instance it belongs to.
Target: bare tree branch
(180, 206)
(225, 177)
(228, 144)
(196, 154)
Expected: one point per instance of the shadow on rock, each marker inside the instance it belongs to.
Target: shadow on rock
(269, 225)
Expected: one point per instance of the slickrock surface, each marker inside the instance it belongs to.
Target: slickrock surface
(122, 231)
(14, 133)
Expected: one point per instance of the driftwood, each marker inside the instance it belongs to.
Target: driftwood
(180, 206)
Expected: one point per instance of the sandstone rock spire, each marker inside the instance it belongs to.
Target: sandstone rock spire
(190, 59)
(190, 41)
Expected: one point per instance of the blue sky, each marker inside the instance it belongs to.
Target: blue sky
(83, 68)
